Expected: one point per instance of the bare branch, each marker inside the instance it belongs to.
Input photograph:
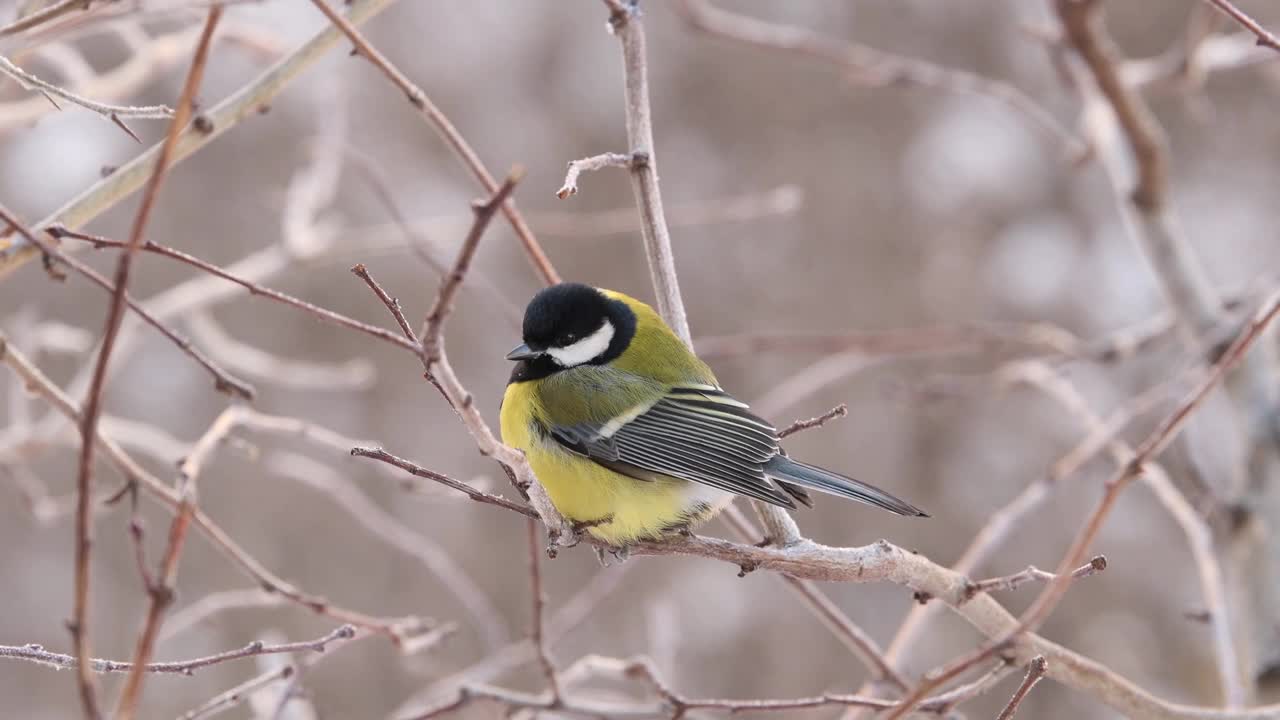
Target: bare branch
(220, 118)
(1146, 452)
(589, 164)
(1265, 38)
(111, 112)
(37, 654)
(419, 471)
(1035, 671)
(1032, 573)
(539, 599)
(839, 411)
(223, 381)
(1194, 300)
(254, 288)
(161, 596)
(400, 630)
(437, 119)
(625, 22)
(433, 326)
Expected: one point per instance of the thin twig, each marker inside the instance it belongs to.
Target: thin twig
(236, 695)
(223, 381)
(45, 15)
(1146, 452)
(839, 411)
(111, 112)
(589, 164)
(437, 119)
(253, 288)
(1035, 671)
(399, 630)
(222, 117)
(419, 471)
(825, 609)
(1265, 37)
(538, 603)
(37, 654)
(433, 325)
(93, 409)
(385, 526)
(392, 304)
(1032, 573)
(626, 25)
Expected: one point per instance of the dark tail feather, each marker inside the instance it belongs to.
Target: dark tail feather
(797, 492)
(785, 470)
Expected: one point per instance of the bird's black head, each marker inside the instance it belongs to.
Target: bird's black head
(571, 324)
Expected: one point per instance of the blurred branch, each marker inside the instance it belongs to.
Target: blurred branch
(1265, 38)
(37, 654)
(216, 603)
(53, 11)
(1035, 671)
(1255, 388)
(293, 373)
(149, 57)
(239, 693)
(1119, 345)
(1190, 522)
(538, 604)
(389, 529)
(223, 381)
(590, 164)
(869, 65)
(1194, 301)
(568, 615)
(1136, 467)
(400, 630)
(243, 104)
(828, 613)
(451, 136)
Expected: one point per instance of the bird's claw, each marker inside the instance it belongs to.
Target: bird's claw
(620, 554)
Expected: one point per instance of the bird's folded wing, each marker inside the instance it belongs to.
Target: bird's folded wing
(695, 433)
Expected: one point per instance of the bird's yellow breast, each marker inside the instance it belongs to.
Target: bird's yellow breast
(585, 492)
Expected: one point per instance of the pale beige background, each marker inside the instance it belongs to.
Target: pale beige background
(920, 207)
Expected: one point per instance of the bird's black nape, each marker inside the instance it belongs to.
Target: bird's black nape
(563, 314)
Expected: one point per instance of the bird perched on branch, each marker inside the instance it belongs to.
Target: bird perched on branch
(630, 433)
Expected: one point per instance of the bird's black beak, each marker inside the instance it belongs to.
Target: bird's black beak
(523, 352)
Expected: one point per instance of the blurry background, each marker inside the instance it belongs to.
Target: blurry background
(802, 199)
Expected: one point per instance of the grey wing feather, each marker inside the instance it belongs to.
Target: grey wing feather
(697, 435)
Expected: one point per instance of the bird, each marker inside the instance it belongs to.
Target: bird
(629, 432)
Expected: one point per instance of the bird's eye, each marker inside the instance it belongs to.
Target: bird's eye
(569, 338)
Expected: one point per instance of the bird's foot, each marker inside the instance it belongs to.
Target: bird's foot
(572, 533)
(619, 554)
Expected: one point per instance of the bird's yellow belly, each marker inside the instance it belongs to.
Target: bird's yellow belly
(619, 509)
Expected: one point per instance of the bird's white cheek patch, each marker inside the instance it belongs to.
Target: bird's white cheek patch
(586, 349)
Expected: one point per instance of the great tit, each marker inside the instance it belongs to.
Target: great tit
(630, 433)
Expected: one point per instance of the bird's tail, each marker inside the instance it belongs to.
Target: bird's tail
(783, 469)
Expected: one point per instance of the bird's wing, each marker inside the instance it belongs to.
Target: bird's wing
(692, 432)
